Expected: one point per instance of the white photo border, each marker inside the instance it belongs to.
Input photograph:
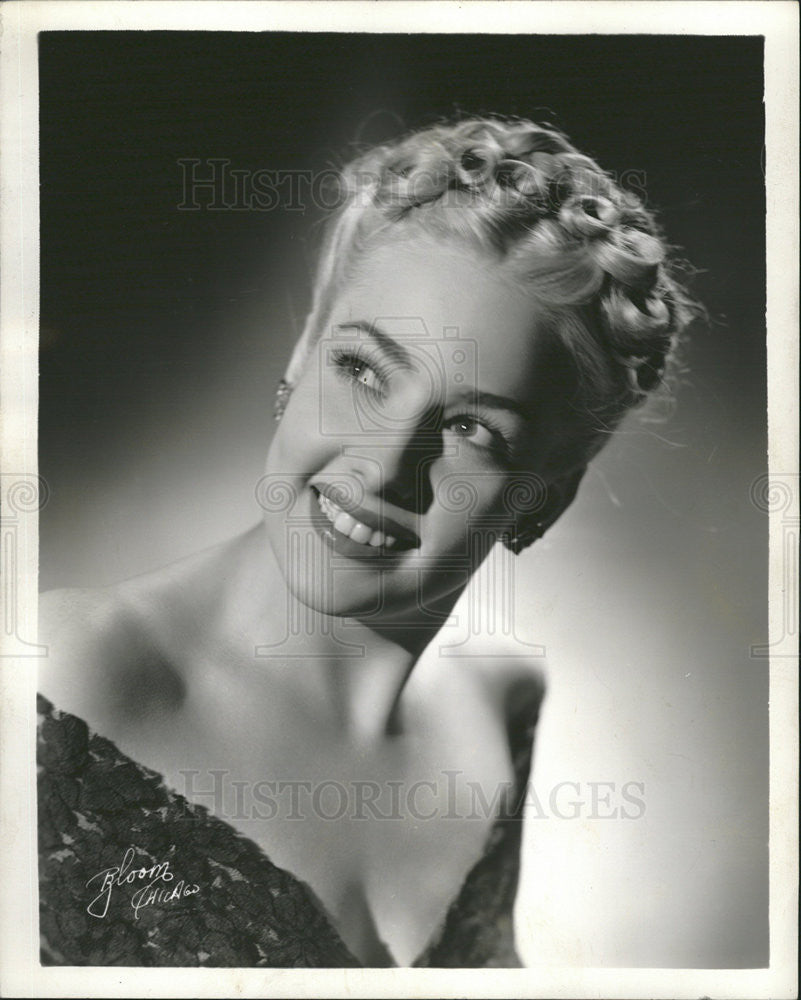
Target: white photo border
(19, 289)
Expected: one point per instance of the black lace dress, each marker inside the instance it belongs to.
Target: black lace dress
(132, 874)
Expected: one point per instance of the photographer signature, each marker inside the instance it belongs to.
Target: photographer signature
(157, 886)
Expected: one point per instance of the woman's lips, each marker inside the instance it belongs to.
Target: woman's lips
(369, 532)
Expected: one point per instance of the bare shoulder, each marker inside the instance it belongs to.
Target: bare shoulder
(517, 685)
(102, 662)
(122, 655)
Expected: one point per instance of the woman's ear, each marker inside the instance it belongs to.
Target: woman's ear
(561, 493)
(300, 357)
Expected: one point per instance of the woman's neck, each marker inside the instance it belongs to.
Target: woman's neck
(352, 670)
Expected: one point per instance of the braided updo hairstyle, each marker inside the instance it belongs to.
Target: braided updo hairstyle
(590, 252)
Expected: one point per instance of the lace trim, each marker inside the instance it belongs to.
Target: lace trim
(94, 802)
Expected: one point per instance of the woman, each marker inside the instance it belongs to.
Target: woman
(249, 761)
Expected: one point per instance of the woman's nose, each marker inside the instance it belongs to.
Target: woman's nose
(396, 469)
(395, 445)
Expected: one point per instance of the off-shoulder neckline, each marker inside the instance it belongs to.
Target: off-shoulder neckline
(521, 746)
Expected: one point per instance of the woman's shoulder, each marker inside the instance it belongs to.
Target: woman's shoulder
(119, 653)
(515, 686)
(523, 682)
(515, 683)
(85, 625)
(103, 659)
(501, 694)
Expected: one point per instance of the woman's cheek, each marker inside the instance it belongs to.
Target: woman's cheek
(474, 488)
(459, 526)
(298, 447)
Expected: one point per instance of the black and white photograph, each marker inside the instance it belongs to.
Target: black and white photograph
(399, 558)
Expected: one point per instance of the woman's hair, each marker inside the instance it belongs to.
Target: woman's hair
(590, 252)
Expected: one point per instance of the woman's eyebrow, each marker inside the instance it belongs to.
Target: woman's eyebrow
(401, 357)
(495, 402)
(391, 347)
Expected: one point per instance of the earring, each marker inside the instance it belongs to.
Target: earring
(282, 395)
(522, 539)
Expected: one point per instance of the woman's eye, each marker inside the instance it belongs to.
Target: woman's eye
(358, 370)
(473, 431)
(362, 373)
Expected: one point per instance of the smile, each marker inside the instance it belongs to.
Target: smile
(347, 525)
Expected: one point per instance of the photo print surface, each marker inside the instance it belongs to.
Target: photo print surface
(462, 661)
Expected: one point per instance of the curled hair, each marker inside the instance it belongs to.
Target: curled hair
(590, 252)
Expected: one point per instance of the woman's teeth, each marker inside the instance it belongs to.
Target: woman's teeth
(347, 525)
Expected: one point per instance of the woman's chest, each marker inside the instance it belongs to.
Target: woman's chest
(384, 835)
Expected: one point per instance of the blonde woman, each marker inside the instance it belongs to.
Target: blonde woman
(239, 762)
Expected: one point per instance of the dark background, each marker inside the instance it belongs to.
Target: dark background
(163, 333)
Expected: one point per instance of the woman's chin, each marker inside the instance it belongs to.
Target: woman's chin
(337, 575)
(377, 601)
(351, 598)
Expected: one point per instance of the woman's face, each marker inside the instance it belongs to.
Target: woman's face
(431, 406)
